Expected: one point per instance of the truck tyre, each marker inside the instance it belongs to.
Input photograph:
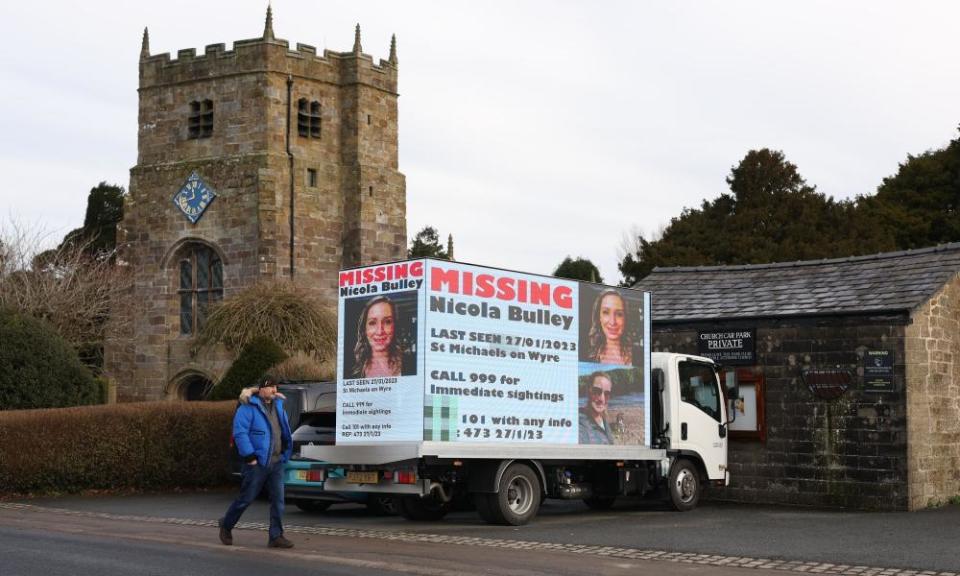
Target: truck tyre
(484, 504)
(312, 506)
(684, 485)
(422, 509)
(517, 500)
(382, 505)
(600, 503)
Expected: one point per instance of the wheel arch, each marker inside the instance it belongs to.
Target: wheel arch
(697, 461)
(485, 476)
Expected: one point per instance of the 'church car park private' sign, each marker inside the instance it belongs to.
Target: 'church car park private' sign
(734, 346)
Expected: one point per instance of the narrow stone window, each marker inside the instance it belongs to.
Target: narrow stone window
(314, 119)
(311, 178)
(370, 191)
(303, 117)
(368, 119)
(308, 118)
(200, 122)
(201, 285)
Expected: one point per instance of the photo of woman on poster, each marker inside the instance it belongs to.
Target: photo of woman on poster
(594, 427)
(378, 352)
(611, 402)
(610, 339)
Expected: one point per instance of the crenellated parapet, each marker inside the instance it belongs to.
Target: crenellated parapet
(268, 54)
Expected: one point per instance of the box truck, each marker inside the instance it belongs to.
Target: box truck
(462, 382)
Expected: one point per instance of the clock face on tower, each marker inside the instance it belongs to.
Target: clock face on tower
(193, 198)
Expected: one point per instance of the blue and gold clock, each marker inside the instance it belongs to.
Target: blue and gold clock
(193, 198)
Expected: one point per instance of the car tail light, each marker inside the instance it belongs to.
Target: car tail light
(315, 475)
(405, 477)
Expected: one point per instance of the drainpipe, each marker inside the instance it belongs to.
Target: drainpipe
(292, 175)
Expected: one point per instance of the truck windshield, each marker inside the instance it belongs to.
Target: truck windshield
(698, 386)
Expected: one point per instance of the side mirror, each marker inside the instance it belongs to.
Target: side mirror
(723, 430)
(732, 386)
(658, 380)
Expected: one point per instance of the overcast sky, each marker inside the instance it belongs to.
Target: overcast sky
(529, 130)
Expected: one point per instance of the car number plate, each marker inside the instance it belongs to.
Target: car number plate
(357, 477)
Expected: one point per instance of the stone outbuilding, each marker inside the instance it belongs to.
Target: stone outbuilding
(849, 373)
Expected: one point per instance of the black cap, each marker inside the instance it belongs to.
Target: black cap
(267, 380)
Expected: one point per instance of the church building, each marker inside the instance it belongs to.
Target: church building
(254, 164)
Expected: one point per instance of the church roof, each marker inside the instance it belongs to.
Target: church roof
(879, 283)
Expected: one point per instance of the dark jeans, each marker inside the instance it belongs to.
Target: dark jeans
(254, 478)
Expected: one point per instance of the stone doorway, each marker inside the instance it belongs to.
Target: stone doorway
(193, 387)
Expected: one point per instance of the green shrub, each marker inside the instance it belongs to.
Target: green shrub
(254, 360)
(38, 369)
(103, 389)
(138, 446)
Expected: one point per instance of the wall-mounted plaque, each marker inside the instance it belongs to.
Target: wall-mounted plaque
(878, 371)
(827, 384)
(731, 346)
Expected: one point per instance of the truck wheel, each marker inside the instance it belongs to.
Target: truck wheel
(484, 504)
(312, 506)
(422, 509)
(382, 505)
(600, 503)
(517, 500)
(684, 485)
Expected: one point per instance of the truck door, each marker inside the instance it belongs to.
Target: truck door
(702, 416)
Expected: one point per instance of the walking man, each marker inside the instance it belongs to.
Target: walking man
(261, 433)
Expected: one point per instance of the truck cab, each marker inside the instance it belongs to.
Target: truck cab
(691, 423)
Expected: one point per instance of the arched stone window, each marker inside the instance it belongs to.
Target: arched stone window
(200, 285)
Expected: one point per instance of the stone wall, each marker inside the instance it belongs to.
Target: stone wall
(933, 399)
(848, 452)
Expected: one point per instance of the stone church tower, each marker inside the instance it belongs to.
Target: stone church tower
(255, 163)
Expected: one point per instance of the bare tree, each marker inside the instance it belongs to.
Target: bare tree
(71, 289)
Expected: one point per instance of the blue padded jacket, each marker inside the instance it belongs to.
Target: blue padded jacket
(252, 433)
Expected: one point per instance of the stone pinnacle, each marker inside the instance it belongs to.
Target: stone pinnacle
(268, 25)
(393, 49)
(145, 44)
(357, 48)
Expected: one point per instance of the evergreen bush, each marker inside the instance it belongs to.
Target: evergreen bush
(135, 446)
(38, 369)
(254, 360)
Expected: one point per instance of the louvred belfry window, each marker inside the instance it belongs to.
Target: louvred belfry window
(308, 118)
(200, 122)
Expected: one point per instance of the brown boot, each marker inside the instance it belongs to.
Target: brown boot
(280, 542)
(225, 536)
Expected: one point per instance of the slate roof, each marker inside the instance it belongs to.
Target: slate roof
(888, 282)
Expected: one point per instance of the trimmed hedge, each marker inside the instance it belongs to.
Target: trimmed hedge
(38, 369)
(254, 360)
(138, 446)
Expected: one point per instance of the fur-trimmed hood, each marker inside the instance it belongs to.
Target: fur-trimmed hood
(246, 393)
